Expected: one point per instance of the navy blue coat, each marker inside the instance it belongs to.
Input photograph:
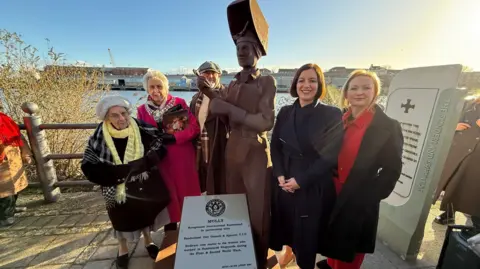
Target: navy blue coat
(305, 145)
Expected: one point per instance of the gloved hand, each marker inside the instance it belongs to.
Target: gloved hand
(173, 109)
(152, 158)
(205, 86)
(155, 153)
(137, 167)
(168, 139)
(156, 144)
(219, 107)
(203, 83)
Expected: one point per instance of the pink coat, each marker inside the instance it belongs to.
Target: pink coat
(178, 167)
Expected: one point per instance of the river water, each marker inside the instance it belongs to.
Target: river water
(138, 97)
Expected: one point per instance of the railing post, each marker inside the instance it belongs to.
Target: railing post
(38, 142)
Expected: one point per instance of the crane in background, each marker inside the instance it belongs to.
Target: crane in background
(112, 62)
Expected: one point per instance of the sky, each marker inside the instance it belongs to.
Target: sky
(179, 35)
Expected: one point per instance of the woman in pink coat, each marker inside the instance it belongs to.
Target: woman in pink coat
(178, 167)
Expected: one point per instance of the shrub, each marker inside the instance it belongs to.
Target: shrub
(333, 96)
(64, 94)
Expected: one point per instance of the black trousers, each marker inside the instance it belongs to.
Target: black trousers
(450, 213)
(476, 222)
(170, 227)
(7, 206)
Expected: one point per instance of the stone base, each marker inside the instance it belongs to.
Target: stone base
(166, 256)
(402, 243)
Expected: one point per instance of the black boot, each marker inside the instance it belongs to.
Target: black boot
(445, 218)
(170, 227)
(323, 265)
(7, 222)
(152, 250)
(122, 261)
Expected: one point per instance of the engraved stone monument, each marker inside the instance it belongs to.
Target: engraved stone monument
(428, 105)
(215, 233)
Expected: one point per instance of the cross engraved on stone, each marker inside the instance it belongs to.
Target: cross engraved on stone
(407, 106)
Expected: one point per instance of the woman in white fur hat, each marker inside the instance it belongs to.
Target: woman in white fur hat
(122, 157)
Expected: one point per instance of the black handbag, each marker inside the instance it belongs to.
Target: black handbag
(456, 252)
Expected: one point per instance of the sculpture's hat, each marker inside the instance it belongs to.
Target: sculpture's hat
(244, 15)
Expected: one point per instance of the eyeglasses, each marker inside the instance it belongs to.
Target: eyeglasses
(117, 116)
(157, 88)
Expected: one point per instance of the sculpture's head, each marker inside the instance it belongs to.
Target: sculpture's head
(249, 30)
(248, 50)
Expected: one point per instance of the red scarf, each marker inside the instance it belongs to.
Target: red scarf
(9, 132)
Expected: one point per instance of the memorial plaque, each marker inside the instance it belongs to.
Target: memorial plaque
(413, 109)
(215, 233)
(427, 104)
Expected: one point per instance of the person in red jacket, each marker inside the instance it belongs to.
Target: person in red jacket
(14, 155)
(369, 165)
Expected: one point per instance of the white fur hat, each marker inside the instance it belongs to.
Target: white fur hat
(110, 101)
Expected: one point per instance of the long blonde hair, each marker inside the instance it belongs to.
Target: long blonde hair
(357, 73)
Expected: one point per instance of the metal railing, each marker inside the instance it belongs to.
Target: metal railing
(42, 155)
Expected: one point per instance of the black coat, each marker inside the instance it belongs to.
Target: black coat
(353, 224)
(459, 177)
(145, 198)
(305, 145)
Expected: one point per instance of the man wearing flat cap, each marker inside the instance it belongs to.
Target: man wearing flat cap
(213, 132)
(248, 103)
(122, 157)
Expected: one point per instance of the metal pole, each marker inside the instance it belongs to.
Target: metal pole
(38, 142)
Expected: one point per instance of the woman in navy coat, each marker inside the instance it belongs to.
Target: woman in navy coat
(305, 143)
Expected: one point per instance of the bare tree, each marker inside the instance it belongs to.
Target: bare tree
(64, 93)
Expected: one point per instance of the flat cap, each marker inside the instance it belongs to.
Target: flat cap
(209, 66)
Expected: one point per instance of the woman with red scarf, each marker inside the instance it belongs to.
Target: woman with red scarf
(14, 153)
(369, 165)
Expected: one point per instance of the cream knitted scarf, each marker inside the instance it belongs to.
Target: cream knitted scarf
(133, 151)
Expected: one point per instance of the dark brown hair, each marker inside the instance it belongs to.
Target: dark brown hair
(321, 89)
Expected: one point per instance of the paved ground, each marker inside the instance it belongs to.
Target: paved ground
(75, 233)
